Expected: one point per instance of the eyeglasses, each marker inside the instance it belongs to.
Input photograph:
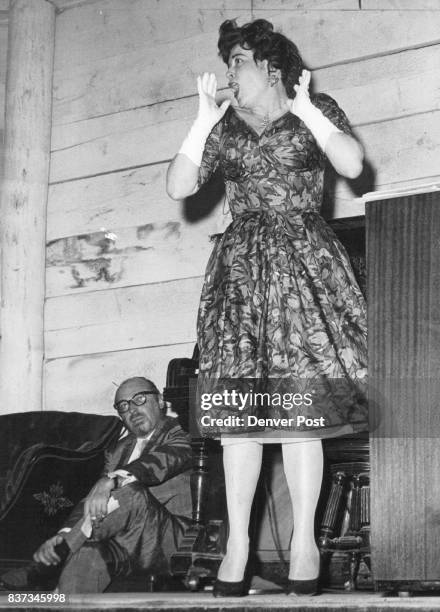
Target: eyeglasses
(138, 400)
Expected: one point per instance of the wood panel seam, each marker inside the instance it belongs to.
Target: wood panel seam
(133, 108)
(428, 178)
(356, 60)
(75, 5)
(133, 286)
(401, 10)
(124, 350)
(394, 118)
(105, 172)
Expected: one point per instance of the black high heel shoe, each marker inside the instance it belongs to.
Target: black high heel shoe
(303, 587)
(222, 588)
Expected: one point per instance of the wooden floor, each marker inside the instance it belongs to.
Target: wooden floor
(203, 601)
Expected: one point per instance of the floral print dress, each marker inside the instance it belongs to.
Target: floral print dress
(280, 307)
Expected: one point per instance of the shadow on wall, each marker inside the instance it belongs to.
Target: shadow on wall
(202, 203)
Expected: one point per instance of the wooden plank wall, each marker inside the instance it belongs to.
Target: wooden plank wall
(124, 262)
(3, 58)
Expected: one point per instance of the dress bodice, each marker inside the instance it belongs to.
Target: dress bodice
(282, 167)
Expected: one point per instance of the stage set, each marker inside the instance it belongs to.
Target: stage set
(101, 274)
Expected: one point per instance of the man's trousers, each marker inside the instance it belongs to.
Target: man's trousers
(140, 534)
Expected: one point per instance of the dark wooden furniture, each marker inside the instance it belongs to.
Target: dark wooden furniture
(344, 539)
(403, 248)
(48, 462)
(203, 547)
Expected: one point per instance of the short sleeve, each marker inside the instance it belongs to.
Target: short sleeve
(332, 111)
(211, 155)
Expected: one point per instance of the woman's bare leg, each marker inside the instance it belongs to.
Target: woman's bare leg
(303, 463)
(242, 464)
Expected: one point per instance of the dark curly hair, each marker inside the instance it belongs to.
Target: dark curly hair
(258, 36)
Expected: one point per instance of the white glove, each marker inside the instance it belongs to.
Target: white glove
(301, 106)
(208, 115)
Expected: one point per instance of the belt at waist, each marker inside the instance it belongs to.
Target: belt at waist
(290, 215)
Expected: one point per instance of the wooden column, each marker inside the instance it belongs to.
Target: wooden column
(23, 202)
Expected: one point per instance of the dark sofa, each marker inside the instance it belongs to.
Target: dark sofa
(48, 461)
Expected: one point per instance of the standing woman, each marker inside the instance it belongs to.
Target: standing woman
(280, 302)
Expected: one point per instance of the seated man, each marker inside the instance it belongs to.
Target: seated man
(132, 517)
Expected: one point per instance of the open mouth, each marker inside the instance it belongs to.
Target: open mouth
(235, 88)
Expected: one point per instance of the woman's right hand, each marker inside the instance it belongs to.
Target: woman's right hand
(210, 112)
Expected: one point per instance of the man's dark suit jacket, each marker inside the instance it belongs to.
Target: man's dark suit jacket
(163, 466)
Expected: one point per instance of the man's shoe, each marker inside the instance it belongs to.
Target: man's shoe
(32, 577)
(35, 575)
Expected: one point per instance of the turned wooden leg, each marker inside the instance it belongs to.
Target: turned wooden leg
(151, 582)
(354, 560)
(365, 513)
(331, 511)
(199, 481)
(355, 508)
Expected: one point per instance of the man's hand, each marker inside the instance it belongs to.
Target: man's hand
(97, 500)
(46, 553)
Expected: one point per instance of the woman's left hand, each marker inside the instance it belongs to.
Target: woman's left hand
(301, 102)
